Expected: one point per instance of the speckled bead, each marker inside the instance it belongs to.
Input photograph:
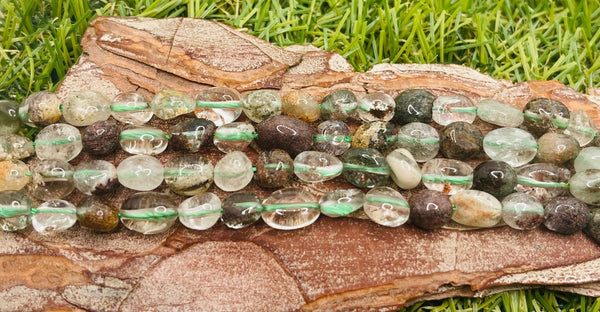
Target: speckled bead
(290, 209)
(495, 177)
(97, 214)
(200, 212)
(380, 135)
(521, 211)
(287, 133)
(339, 104)
(149, 212)
(131, 108)
(101, 138)
(241, 210)
(301, 105)
(386, 206)
(593, 227)
(83, 108)
(221, 105)
(15, 211)
(413, 105)
(168, 104)
(333, 137)
(452, 108)
(430, 209)
(259, 105)
(51, 178)
(376, 106)
(476, 208)
(43, 108)
(365, 167)
(556, 148)
(59, 141)
(566, 215)
(544, 115)
(421, 140)
(234, 136)
(543, 181)
(461, 140)
(192, 134)
(14, 146)
(341, 203)
(95, 177)
(189, 174)
(13, 175)
(274, 168)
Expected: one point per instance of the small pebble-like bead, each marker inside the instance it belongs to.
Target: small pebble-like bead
(51, 179)
(495, 177)
(556, 148)
(54, 215)
(259, 105)
(461, 140)
(365, 167)
(143, 140)
(58, 141)
(140, 172)
(301, 105)
(14, 146)
(421, 140)
(588, 158)
(452, 108)
(386, 206)
(430, 209)
(544, 115)
(97, 214)
(404, 169)
(581, 127)
(168, 104)
(511, 145)
(200, 212)
(313, 166)
(23, 112)
(234, 136)
(447, 175)
(148, 212)
(290, 209)
(566, 215)
(221, 105)
(95, 177)
(101, 137)
(13, 175)
(341, 203)
(43, 108)
(476, 208)
(192, 134)
(593, 227)
(522, 211)
(233, 172)
(585, 186)
(14, 211)
(131, 108)
(543, 181)
(287, 133)
(9, 117)
(339, 104)
(499, 113)
(240, 210)
(189, 174)
(376, 106)
(333, 137)
(274, 168)
(413, 105)
(380, 135)
(83, 108)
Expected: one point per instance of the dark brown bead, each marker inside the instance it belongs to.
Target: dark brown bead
(461, 141)
(494, 177)
(287, 133)
(430, 209)
(190, 135)
(101, 137)
(97, 214)
(540, 115)
(274, 168)
(593, 227)
(566, 215)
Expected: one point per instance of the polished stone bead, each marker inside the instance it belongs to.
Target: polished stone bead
(14, 211)
(9, 117)
(43, 109)
(140, 172)
(342, 202)
(339, 104)
(593, 227)
(168, 104)
(101, 137)
(200, 212)
(290, 209)
(14, 146)
(452, 108)
(259, 105)
(301, 105)
(95, 177)
(413, 105)
(430, 209)
(313, 166)
(566, 215)
(274, 168)
(83, 108)
(221, 105)
(511, 145)
(588, 158)
(386, 206)
(543, 181)
(235, 136)
(556, 148)
(58, 141)
(287, 133)
(365, 167)
(54, 215)
(376, 106)
(404, 169)
(585, 186)
(192, 134)
(544, 115)
(132, 108)
(51, 179)
(522, 211)
(189, 174)
(421, 140)
(240, 210)
(495, 177)
(333, 137)
(143, 140)
(461, 140)
(476, 208)
(149, 212)
(380, 135)
(581, 127)
(97, 214)
(13, 175)
(499, 113)
(233, 172)
(447, 175)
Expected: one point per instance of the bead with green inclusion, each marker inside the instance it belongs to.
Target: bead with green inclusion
(95, 177)
(97, 214)
(499, 113)
(14, 211)
(413, 105)
(452, 108)
(189, 174)
(365, 167)
(200, 212)
(58, 141)
(585, 186)
(221, 105)
(511, 145)
(386, 206)
(289, 209)
(240, 210)
(448, 176)
(376, 106)
(333, 137)
(261, 104)
(339, 104)
(522, 211)
(83, 108)
(543, 181)
(53, 216)
(312, 166)
(235, 136)
(168, 104)
(132, 108)
(341, 203)
(149, 212)
(421, 140)
(143, 140)
(544, 115)
(581, 127)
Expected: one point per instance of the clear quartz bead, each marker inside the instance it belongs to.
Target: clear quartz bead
(588, 158)
(9, 117)
(13, 175)
(581, 127)
(499, 113)
(140, 172)
(543, 181)
(341, 203)
(14, 146)
(259, 105)
(312, 166)
(511, 145)
(148, 212)
(168, 104)
(233, 172)
(522, 211)
(131, 108)
(95, 177)
(189, 174)
(200, 212)
(420, 139)
(386, 206)
(51, 179)
(452, 108)
(53, 216)
(235, 136)
(333, 137)
(447, 175)
(83, 108)
(220, 105)
(14, 211)
(58, 141)
(585, 186)
(376, 106)
(143, 140)
(476, 208)
(289, 209)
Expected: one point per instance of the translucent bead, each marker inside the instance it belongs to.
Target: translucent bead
(451, 108)
(131, 108)
(9, 117)
(421, 140)
(376, 106)
(95, 177)
(413, 105)
(312, 166)
(333, 137)
(543, 181)
(476, 208)
(588, 158)
(200, 212)
(274, 168)
(189, 174)
(97, 214)
(241, 210)
(386, 206)
(235, 136)
(83, 108)
(140, 173)
(341, 203)
(339, 104)
(43, 108)
(233, 172)
(585, 186)
(220, 105)
(13, 175)
(581, 127)
(365, 167)
(14, 211)
(148, 212)
(14, 146)
(522, 211)
(556, 148)
(566, 215)
(404, 169)
(53, 216)
(192, 134)
(261, 104)
(168, 104)
(511, 145)
(58, 141)
(430, 209)
(51, 179)
(143, 140)
(301, 105)
(544, 115)
(499, 113)
(447, 175)
(380, 135)
(290, 209)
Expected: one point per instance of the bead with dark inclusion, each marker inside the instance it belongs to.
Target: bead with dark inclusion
(192, 134)
(430, 209)
(375, 134)
(333, 137)
(593, 227)
(556, 148)
(365, 167)
(241, 210)
(97, 214)
(543, 115)
(101, 137)
(148, 212)
(566, 215)
(461, 140)
(413, 105)
(339, 104)
(543, 181)
(287, 133)
(494, 177)
(188, 174)
(274, 168)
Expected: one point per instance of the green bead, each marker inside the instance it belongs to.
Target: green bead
(499, 113)
(339, 104)
(413, 105)
(365, 167)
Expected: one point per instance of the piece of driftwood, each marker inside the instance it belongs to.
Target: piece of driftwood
(344, 264)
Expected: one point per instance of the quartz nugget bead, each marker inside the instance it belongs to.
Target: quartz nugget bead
(339, 104)
(14, 211)
(386, 206)
(200, 212)
(376, 106)
(53, 216)
(333, 137)
(233, 172)
(461, 140)
(83, 108)
(312, 166)
(499, 113)
(287, 133)
(13, 175)
(365, 167)
(189, 174)
(43, 109)
(588, 158)
(522, 211)
(50, 179)
(452, 108)
(511, 145)
(290, 209)
(556, 148)
(241, 210)
(447, 175)
(274, 168)
(221, 105)
(581, 127)
(97, 214)
(235, 136)
(341, 203)
(413, 105)
(495, 177)
(476, 208)
(380, 135)
(566, 215)
(421, 140)
(585, 186)
(131, 108)
(95, 177)
(148, 212)
(404, 169)
(143, 140)
(192, 134)
(593, 227)
(261, 104)
(543, 181)
(101, 138)
(9, 117)
(430, 209)
(14, 146)
(58, 141)
(140, 173)
(301, 105)
(544, 115)
(168, 104)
